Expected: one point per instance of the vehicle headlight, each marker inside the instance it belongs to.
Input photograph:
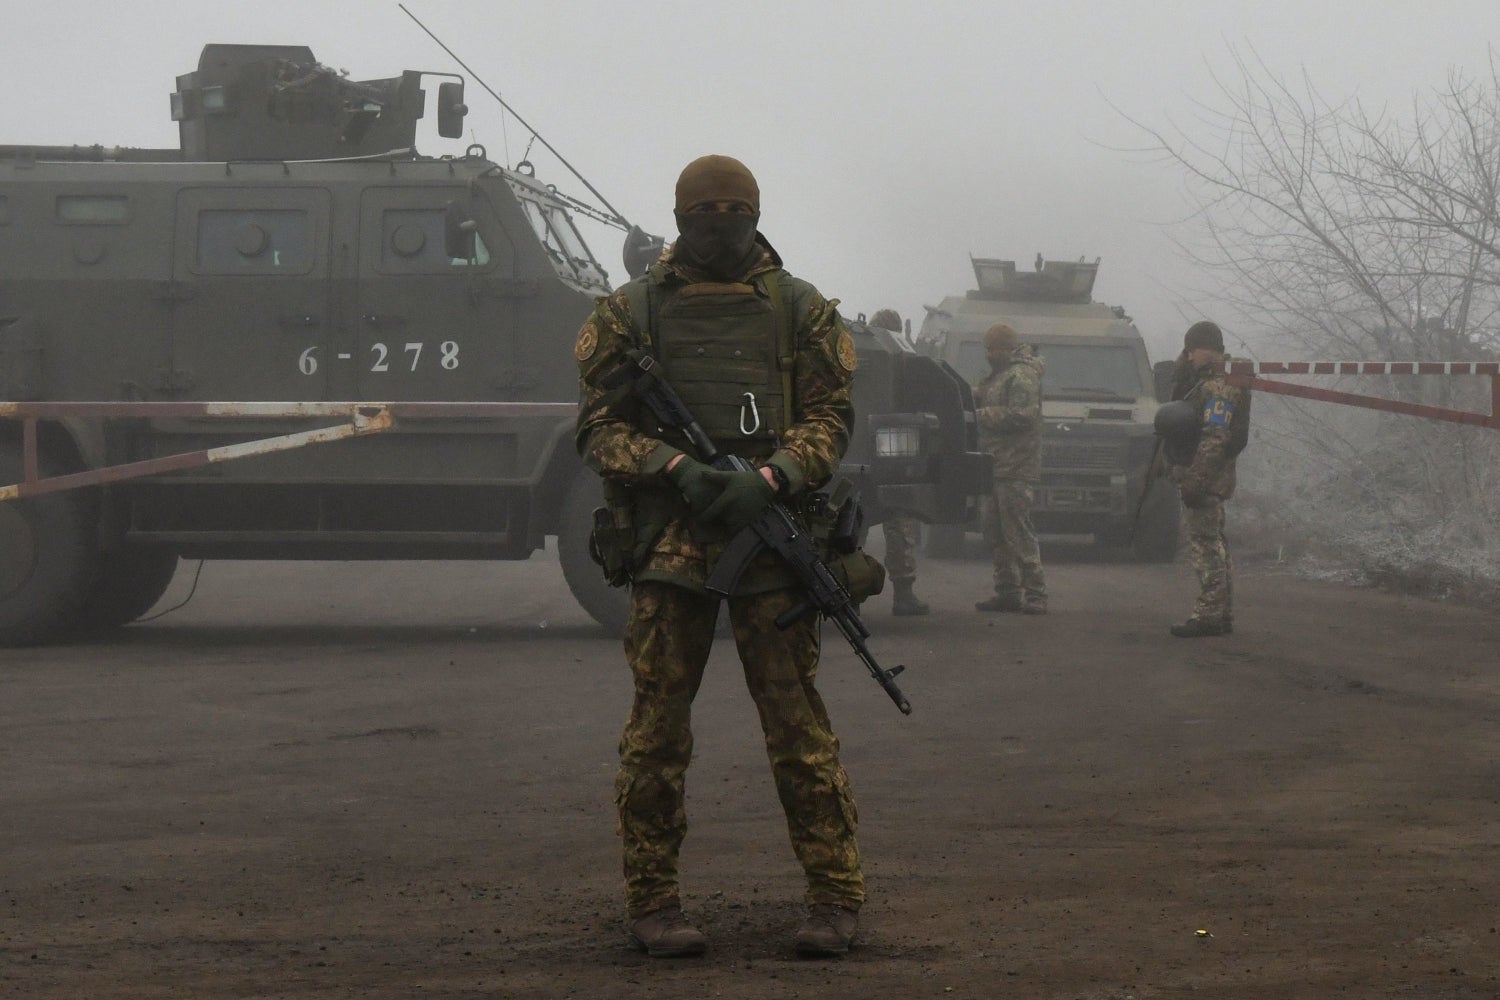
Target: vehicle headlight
(898, 442)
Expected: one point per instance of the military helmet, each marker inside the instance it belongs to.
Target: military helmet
(887, 319)
(1179, 425)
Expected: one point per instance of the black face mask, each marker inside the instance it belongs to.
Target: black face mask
(720, 243)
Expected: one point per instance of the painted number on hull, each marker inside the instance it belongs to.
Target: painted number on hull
(408, 357)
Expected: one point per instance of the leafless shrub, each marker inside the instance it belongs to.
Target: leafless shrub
(1335, 232)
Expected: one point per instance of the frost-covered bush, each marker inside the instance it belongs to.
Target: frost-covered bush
(1331, 231)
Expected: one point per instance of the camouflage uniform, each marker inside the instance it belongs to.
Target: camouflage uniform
(672, 616)
(1008, 403)
(1206, 483)
(901, 536)
(902, 532)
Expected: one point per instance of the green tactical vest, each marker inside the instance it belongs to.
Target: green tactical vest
(727, 350)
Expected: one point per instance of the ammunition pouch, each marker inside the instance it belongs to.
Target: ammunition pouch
(835, 521)
(858, 572)
(628, 525)
(611, 545)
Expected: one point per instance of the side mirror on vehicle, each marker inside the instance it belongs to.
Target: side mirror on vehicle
(1161, 374)
(641, 251)
(458, 231)
(451, 110)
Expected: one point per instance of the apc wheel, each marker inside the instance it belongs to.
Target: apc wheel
(130, 581)
(47, 559)
(607, 605)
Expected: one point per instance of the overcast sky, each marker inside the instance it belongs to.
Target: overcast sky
(891, 139)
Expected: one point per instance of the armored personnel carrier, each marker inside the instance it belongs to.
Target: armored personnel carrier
(294, 337)
(1099, 395)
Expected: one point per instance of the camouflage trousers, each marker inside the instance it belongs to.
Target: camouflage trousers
(667, 642)
(1210, 557)
(901, 536)
(1018, 557)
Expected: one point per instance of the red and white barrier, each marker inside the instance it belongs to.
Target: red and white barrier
(1250, 374)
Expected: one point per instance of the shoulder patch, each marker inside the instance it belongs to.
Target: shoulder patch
(848, 360)
(1217, 411)
(588, 341)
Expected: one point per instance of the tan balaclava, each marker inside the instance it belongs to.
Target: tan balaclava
(1000, 342)
(720, 243)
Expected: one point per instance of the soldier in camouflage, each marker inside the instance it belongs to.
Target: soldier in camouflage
(902, 531)
(1208, 480)
(1008, 404)
(765, 363)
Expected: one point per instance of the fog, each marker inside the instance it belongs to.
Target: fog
(891, 139)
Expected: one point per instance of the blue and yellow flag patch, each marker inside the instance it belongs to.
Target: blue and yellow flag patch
(1217, 412)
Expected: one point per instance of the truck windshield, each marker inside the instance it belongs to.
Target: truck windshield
(564, 244)
(1074, 371)
(1090, 371)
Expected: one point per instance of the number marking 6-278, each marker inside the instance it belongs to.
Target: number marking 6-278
(380, 361)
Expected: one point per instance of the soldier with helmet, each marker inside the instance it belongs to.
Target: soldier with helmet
(1008, 405)
(1202, 466)
(765, 363)
(902, 531)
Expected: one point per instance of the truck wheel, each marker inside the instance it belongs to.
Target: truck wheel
(47, 559)
(607, 605)
(130, 581)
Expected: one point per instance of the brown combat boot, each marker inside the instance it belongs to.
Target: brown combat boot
(828, 930)
(904, 602)
(667, 933)
(998, 603)
(1195, 628)
(1034, 606)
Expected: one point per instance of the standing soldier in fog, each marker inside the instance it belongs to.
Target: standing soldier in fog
(1008, 404)
(709, 311)
(902, 531)
(1205, 475)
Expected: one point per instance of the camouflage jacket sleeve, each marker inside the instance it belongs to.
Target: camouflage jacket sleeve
(824, 373)
(1019, 407)
(608, 437)
(1221, 404)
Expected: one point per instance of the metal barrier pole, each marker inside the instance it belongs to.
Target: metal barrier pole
(28, 450)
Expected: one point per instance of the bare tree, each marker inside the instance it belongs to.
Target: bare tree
(1334, 231)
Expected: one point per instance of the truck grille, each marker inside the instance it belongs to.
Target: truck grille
(1103, 455)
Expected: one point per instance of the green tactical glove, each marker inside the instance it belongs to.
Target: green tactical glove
(699, 484)
(745, 494)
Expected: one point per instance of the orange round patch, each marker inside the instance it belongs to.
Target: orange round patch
(588, 341)
(847, 358)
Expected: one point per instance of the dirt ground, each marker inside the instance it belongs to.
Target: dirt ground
(394, 780)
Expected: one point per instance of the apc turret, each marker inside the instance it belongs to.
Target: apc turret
(277, 102)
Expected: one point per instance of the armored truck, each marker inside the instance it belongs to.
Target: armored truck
(294, 337)
(1099, 395)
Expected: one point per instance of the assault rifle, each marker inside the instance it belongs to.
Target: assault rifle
(774, 529)
(1148, 480)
